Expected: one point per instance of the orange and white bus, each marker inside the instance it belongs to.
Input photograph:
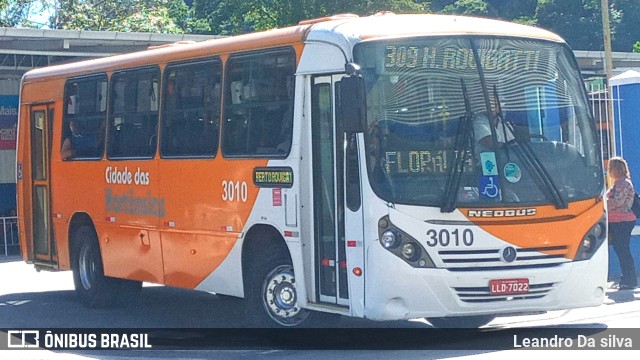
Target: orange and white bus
(384, 167)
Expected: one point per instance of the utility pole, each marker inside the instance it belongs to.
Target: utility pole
(606, 31)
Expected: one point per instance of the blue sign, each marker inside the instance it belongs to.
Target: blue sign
(489, 187)
(8, 122)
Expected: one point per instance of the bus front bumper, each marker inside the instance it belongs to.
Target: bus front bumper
(395, 290)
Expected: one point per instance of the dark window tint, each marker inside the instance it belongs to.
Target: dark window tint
(84, 117)
(259, 104)
(191, 109)
(134, 113)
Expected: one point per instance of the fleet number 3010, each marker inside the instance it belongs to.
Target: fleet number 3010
(234, 191)
(445, 237)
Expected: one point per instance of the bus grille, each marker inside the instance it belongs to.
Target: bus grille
(489, 259)
(482, 295)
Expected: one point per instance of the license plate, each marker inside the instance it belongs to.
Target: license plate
(508, 286)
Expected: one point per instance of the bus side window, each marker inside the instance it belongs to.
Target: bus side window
(84, 118)
(134, 113)
(191, 106)
(259, 104)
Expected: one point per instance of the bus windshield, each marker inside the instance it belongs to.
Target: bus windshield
(473, 122)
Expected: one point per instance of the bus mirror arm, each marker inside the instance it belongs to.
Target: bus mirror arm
(352, 69)
(352, 100)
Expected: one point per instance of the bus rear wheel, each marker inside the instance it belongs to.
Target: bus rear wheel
(461, 322)
(272, 298)
(93, 288)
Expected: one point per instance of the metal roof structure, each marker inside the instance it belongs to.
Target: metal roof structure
(591, 63)
(24, 49)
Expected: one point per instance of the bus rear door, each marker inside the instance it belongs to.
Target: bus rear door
(43, 246)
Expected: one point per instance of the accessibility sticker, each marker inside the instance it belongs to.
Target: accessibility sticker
(489, 164)
(489, 187)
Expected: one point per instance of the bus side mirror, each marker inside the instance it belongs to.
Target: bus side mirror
(353, 103)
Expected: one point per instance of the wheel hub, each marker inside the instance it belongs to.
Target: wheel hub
(280, 297)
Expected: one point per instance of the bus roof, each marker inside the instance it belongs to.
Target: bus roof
(344, 30)
(390, 25)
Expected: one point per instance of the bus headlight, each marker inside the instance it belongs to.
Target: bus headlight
(411, 251)
(390, 239)
(587, 243)
(592, 240)
(403, 245)
(600, 230)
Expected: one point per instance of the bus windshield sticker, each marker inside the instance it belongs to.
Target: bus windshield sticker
(489, 167)
(512, 173)
(273, 177)
(490, 188)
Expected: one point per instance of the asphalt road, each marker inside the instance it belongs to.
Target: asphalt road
(208, 327)
(43, 299)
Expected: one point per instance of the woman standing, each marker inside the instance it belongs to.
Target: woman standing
(621, 220)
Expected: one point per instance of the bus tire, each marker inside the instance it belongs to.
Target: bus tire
(271, 295)
(461, 322)
(92, 288)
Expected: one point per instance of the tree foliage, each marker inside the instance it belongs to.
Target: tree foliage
(467, 7)
(19, 12)
(239, 16)
(627, 31)
(577, 21)
(118, 15)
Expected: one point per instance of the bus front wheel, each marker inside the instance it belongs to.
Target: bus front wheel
(461, 322)
(272, 298)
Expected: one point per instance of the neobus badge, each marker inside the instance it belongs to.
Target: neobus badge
(502, 213)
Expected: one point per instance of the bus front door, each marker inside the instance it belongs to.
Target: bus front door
(43, 248)
(336, 224)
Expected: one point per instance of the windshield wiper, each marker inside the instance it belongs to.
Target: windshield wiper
(462, 143)
(530, 156)
(527, 152)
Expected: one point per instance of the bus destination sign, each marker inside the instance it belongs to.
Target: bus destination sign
(273, 177)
